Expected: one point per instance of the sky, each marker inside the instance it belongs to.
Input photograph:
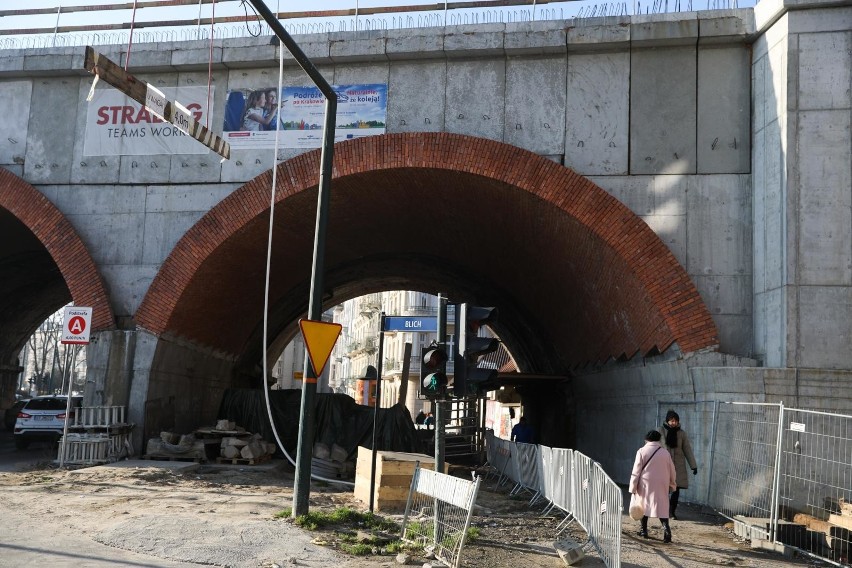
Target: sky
(225, 8)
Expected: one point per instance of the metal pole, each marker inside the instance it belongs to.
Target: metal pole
(302, 481)
(440, 419)
(376, 410)
(65, 427)
(776, 478)
(712, 454)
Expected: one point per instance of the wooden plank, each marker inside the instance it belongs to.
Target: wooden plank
(840, 521)
(139, 91)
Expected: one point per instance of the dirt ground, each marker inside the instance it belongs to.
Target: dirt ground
(225, 516)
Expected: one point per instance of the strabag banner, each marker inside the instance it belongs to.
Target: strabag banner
(252, 116)
(117, 125)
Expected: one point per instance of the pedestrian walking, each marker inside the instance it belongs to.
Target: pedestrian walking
(677, 443)
(652, 478)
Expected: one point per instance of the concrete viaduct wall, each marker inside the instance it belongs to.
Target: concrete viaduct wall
(726, 131)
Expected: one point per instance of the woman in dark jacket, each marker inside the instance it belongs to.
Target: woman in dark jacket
(677, 443)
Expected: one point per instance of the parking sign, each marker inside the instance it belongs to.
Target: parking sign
(76, 325)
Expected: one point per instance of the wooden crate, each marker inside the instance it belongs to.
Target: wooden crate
(394, 471)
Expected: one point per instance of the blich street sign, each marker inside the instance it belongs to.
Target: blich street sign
(425, 324)
(76, 325)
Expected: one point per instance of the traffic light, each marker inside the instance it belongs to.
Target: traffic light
(433, 379)
(469, 377)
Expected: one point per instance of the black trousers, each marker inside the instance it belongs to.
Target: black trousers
(673, 499)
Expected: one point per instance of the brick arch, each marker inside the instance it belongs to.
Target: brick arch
(62, 243)
(632, 294)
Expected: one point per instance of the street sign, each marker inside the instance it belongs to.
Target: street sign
(426, 324)
(320, 338)
(76, 325)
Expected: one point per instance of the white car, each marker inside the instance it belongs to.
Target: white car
(43, 418)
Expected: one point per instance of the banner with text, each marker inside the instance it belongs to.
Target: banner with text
(117, 125)
(251, 116)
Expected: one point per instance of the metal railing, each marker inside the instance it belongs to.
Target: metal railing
(569, 481)
(787, 477)
(72, 25)
(438, 513)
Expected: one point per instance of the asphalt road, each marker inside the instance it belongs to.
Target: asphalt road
(18, 460)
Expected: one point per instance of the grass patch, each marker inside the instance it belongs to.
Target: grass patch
(345, 516)
(283, 513)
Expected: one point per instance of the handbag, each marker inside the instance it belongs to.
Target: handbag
(637, 507)
(637, 501)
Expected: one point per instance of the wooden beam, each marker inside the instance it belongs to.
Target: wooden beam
(147, 95)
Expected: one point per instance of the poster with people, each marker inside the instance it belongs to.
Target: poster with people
(252, 116)
(117, 125)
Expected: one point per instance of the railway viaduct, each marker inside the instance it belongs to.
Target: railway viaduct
(660, 205)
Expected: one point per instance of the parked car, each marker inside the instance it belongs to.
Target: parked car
(11, 414)
(43, 418)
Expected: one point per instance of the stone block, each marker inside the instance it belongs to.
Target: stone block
(824, 68)
(408, 44)
(480, 41)
(476, 98)
(408, 109)
(535, 104)
(16, 96)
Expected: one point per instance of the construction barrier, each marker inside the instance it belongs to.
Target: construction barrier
(438, 513)
(787, 477)
(569, 481)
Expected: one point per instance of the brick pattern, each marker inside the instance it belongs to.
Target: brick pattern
(63, 244)
(633, 295)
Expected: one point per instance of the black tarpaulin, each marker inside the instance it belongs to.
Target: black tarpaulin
(337, 419)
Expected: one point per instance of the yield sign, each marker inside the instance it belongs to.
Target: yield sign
(320, 338)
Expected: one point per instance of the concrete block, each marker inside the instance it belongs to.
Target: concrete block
(597, 113)
(361, 73)
(535, 38)
(364, 46)
(145, 169)
(147, 61)
(193, 168)
(163, 231)
(723, 144)
(52, 126)
(101, 199)
(658, 33)
(40, 63)
(825, 327)
(825, 177)
(128, 284)
(13, 128)
(408, 44)
(198, 58)
(735, 334)
(758, 94)
(719, 229)
(408, 109)
(245, 165)
(317, 47)
(774, 206)
(636, 192)
(725, 294)
(662, 110)
(480, 41)
(181, 198)
(671, 229)
(825, 70)
(251, 56)
(725, 26)
(12, 63)
(535, 104)
(120, 236)
(775, 94)
(476, 97)
(599, 35)
(830, 18)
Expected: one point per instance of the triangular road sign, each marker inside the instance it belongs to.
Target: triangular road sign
(320, 338)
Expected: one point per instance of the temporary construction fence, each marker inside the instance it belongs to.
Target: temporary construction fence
(96, 435)
(438, 513)
(569, 481)
(785, 475)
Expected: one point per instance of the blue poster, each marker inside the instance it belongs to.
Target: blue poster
(251, 117)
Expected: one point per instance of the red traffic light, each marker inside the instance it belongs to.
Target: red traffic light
(433, 357)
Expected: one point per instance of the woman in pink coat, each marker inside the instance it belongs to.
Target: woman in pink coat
(653, 477)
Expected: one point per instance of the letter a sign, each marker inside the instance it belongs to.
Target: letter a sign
(320, 338)
(76, 325)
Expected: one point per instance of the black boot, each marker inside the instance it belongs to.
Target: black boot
(643, 532)
(667, 531)
(673, 500)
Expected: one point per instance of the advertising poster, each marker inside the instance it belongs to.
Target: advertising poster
(251, 116)
(116, 125)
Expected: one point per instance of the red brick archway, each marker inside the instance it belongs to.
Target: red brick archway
(562, 240)
(52, 229)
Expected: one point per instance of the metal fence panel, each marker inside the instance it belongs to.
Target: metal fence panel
(745, 463)
(815, 484)
(438, 513)
(561, 479)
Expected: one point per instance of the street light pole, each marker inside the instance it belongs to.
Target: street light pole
(302, 481)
